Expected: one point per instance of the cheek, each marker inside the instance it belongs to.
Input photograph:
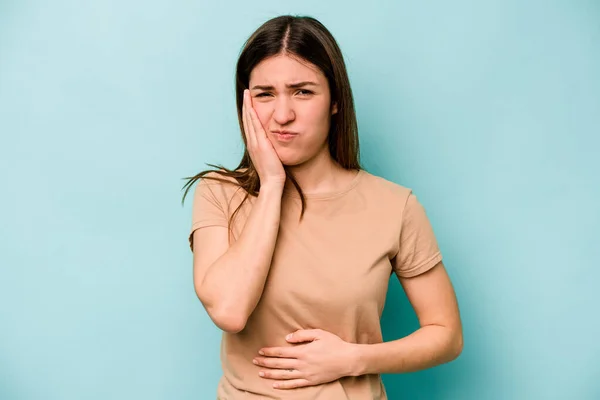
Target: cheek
(263, 111)
(319, 109)
(318, 114)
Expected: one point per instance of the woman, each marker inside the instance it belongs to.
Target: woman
(293, 250)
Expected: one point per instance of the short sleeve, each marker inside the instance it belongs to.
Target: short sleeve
(209, 206)
(418, 249)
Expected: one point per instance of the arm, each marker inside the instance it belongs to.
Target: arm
(229, 281)
(438, 340)
(323, 357)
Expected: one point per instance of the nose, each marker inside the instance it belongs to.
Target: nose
(283, 111)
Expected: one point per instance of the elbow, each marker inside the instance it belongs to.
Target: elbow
(228, 319)
(457, 346)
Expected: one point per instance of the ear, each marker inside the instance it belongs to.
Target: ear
(334, 108)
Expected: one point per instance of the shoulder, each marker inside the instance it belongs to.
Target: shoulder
(217, 176)
(397, 199)
(218, 179)
(384, 188)
(218, 185)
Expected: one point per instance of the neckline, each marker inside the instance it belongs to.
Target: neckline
(327, 195)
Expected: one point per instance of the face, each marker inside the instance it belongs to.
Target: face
(293, 102)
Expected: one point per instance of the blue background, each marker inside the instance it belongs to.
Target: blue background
(489, 110)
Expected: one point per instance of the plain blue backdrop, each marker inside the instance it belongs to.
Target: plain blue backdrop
(489, 110)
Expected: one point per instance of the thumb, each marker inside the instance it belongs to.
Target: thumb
(303, 335)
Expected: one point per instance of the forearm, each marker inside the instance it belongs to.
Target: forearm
(427, 347)
(234, 283)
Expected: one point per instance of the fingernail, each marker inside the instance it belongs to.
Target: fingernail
(261, 374)
(262, 353)
(254, 361)
(288, 337)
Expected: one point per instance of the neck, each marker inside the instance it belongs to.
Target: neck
(320, 174)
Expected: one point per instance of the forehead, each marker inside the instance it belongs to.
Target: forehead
(282, 69)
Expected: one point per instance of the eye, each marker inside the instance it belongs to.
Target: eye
(305, 92)
(263, 94)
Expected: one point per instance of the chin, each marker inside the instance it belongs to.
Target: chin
(290, 159)
(294, 158)
(291, 162)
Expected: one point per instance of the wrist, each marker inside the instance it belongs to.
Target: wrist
(272, 187)
(356, 360)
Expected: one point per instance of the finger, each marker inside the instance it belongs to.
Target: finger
(244, 119)
(281, 352)
(250, 136)
(291, 384)
(304, 335)
(280, 374)
(256, 125)
(247, 123)
(275, 363)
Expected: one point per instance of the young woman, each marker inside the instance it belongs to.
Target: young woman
(293, 250)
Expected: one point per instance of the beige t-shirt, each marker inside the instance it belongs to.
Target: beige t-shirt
(329, 271)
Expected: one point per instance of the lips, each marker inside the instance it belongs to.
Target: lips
(285, 133)
(284, 136)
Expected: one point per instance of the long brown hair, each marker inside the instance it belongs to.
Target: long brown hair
(307, 39)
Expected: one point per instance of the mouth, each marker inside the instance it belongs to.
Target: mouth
(284, 136)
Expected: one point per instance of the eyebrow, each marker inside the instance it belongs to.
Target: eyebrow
(289, 86)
